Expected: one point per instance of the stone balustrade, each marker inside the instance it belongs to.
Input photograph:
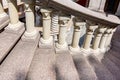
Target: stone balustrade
(98, 35)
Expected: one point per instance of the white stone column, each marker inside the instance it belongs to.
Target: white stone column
(104, 38)
(31, 32)
(98, 36)
(47, 38)
(14, 24)
(90, 30)
(78, 26)
(63, 22)
(108, 41)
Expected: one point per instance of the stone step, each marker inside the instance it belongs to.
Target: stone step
(43, 65)
(101, 71)
(114, 60)
(17, 63)
(4, 20)
(84, 68)
(111, 67)
(65, 68)
(8, 41)
(115, 53)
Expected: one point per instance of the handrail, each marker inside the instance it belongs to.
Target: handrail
(73, 8)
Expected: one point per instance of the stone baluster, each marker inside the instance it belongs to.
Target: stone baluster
(98, 36)
(55, 25)
(108, 41)
(90, 30)
(13, 11)
(63, 22)
(78, 26)
(30, 33)
(104, 38)
(14, 24)
(47, 38)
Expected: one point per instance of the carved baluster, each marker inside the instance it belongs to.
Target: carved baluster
(14, 24)
(90, 30)
(55, 25)
(104, 38)
(78, 26)
(98, 36)
(47, 38)
(30, 33)
(108, 41)
(63, 22)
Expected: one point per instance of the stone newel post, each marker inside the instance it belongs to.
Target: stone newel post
(89, 35)
(76, 35)
(98, 36)
(63, 22)
(47, 38)
(104, 38)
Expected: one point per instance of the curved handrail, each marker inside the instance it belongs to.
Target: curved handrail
(75, 9)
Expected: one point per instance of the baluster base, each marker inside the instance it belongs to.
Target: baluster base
(15, 28)
(47, 44)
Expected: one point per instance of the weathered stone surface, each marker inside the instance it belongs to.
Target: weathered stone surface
(84, 68)
(111, 66)
(7, 41)
(65, 68)
(4, 20)
(17, 63)
(43, 65)
(101, 71)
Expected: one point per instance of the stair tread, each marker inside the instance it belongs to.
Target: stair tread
(43, 65)
(114, 60)
(4, 21)
(65, 68)
(16, 65)
(84, 68)
(111, 67)
(7, 41)
(101, 71)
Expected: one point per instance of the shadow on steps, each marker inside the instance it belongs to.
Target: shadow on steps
(42, 66)
(84, 68)
(101, 71)
(111, 66)
(65, 68)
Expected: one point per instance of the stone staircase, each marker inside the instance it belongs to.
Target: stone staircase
(25, 58)
(27, 62)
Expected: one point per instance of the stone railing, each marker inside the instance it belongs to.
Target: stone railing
(100, 27)
(57, 14)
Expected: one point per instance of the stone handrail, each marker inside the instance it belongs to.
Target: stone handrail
(73, 8)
